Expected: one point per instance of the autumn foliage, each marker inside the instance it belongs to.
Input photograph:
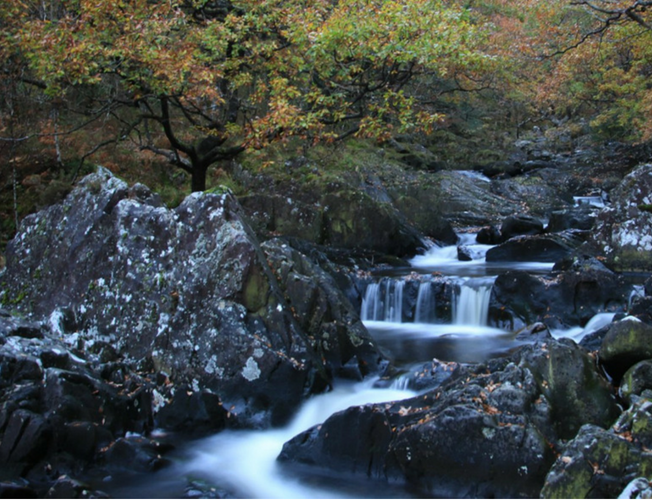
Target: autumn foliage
(201, 81)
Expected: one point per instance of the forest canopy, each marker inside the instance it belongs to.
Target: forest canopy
(198, 82)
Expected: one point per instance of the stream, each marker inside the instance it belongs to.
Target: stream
(243, 463)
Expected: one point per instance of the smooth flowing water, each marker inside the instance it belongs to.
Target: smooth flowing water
(243, 463)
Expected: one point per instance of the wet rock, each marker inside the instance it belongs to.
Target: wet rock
(519, 225)
(67, 487)
(193, 412)
(11, 490)
(354, 220)
(320, 306)
(627, 342)
(568, 378)
(637, 488)
(635, 380)
(567, 299)
(135, 454)
(582, 218)
(596, 464)
(486, 431)
(464, 254)
(488, 235)
(538, 248)
(624, 229)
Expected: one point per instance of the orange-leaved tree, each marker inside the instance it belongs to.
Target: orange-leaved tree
(220, 76)
(573, 55)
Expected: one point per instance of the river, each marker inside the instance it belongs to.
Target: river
(242, 464)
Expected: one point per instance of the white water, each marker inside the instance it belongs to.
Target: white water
(245, 461)
(425, 311)
(445, 260)
(383, 301)
(471, 304)
(578, 333)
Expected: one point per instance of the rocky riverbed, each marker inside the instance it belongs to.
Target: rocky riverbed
(124, 321)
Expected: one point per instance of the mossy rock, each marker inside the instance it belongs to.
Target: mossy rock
(354, 220)
(595, 464)
(627, 342)
(576, 392)
(637, 379)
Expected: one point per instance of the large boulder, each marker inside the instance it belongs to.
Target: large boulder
(189, 289)
(487, 430)
(352, 219)
(624, 229)
(476, 436)
(537, 248)
(626, 343)
(601, 463)
(519, 225)
(568, 298)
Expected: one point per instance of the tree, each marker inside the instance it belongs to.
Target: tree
(218, 77)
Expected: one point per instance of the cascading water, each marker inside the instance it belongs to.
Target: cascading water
(471, 306)
(244, 462)
(383, 301)
(425, 311)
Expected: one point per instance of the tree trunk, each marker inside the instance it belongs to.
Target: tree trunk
(198, 182)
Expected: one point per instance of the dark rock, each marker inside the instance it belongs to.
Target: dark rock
(11, 490)
(193, 412)
(285, 216)
(641, 308)
(635, 380)
(540, 191)
(134, 454)
(55, 359)
(81, 439)
(568, 299)
(488, 235)
(519, 225)
(464, 254)
(537, 248)
(67, 487)
(627, 342)
(489, 430)
(648, 286)
(354, 220)
(567, 377)
(29, 330)
(319, 306)
(593, 341)
(470, 200)
(582, 218)
(187, 290)
(537, 332)
(25, 438)
(596, 464)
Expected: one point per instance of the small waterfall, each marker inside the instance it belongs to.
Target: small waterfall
(383, 301)
(425, 309)
(471, 304)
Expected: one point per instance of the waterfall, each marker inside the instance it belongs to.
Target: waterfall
(425, 310)
(471, 304)
(383, 301)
